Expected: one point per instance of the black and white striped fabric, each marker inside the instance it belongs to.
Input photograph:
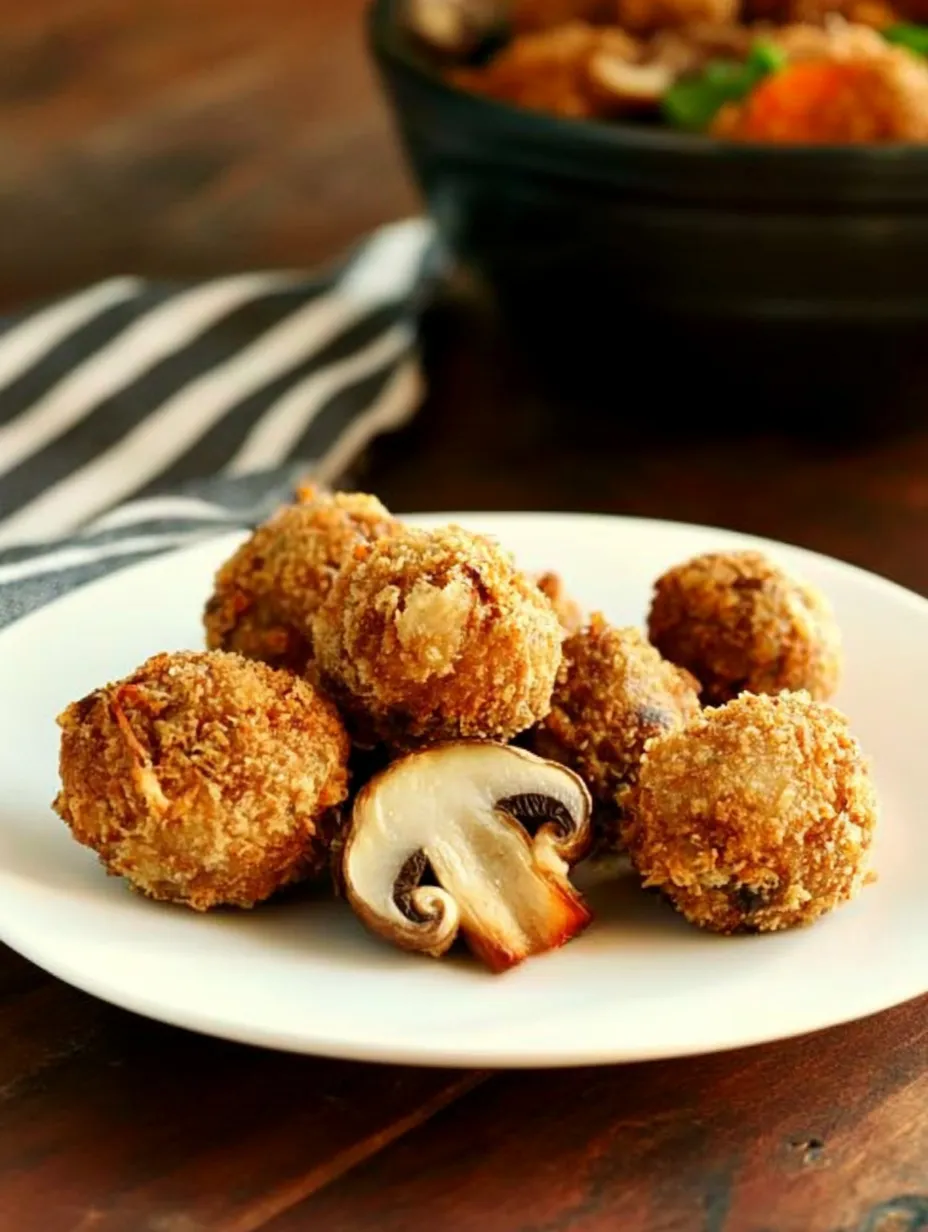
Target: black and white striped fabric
(136, 417)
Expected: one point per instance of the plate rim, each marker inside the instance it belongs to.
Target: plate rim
(430, 519)
(396, 1053)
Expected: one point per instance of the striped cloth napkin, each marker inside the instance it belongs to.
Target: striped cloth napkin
(136, 417)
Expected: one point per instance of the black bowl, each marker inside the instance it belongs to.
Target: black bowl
(605, 233)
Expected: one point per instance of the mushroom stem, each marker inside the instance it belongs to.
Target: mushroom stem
(497, 826)
(510, 905)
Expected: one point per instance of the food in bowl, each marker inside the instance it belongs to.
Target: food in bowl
(737, 621)
(265, 597)
(768, 71)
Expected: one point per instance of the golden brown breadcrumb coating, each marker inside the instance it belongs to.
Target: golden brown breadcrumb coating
(738, 622)
(266, 595)
(204, 778)
(756, 816)
(435, 635)
(566, 608)
(613, 693)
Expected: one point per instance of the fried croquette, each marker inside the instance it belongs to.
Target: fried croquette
(266, 595)
(738, 622)
(204, 778)
(566, 608)
(435, 635)
(613, 693)
(527, 16)
(756, 816)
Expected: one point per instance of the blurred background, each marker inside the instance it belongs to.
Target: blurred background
(169, 138)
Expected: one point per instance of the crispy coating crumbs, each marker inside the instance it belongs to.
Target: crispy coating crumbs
(756, 816)
(204, 778)
(566, 608)
(689, 48)
(823, 15)
(551, 70)
(738, 622)
(266, 595)
(833, 40)
(835, 13)
(613, 693)
(435, 635)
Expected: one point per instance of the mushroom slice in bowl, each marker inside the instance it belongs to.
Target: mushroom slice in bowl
(498, 828)
(454, 27)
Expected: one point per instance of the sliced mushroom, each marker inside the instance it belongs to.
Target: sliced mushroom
(629, 86)
(497, 827)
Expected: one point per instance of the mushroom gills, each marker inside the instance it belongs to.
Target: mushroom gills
(510, 906)
(456, 809)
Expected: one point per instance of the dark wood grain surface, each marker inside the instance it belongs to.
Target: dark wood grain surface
(172, 138)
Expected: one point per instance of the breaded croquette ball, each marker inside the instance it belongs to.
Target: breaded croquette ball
(756, 816)
(204, 778)
(566, 608)
(613, 693)
(435, 635)
(266, 595)
(738, 622)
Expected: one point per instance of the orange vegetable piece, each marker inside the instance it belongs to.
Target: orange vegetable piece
(832, 101)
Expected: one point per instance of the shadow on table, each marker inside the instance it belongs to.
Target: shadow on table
(635, 378)
(700, 425)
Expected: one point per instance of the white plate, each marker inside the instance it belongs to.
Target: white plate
(305, 976)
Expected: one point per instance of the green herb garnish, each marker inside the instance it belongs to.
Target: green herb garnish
(692, 102)
(905, 34)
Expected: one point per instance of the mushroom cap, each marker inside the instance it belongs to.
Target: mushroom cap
(566, 608)
(758, 815)
(614, 692)
(497, 826)
(739, 622)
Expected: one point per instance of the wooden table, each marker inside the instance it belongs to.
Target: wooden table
(142, 137)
